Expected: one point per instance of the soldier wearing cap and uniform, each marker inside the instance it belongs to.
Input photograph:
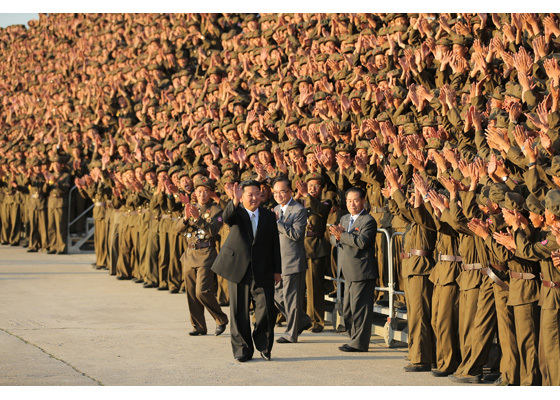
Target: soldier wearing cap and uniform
(57, 186)
(541, 247)
(99, 192)
(175, 275)
(200, 226)
(523, 291)
(37, 209)
(317, 247)
(12, 201)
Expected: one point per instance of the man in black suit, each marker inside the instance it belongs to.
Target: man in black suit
(250, 260)
(355, 238)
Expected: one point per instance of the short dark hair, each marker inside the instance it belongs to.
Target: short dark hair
(250, 182)
(282, 178)
(358, 190)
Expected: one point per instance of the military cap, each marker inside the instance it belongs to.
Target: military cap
(554, 169)
(483, 197)
(204, 181)
(410, 129)
(513, 201)
(444, 42)
(320, 96)
(121, 142)
(197, 171)
(136, 165)
(55, 159)
(344, 147)
(428, 121)
(399, 92)
(314, 176)
(126, 167)
(248, 176)
(264, 146)
(434, 143)
(460, 40)
(497, 192)
(230, 177)
(294, 144)
(533, 205)
(362, 144)
(148, 167)
(162, 168)
(251, 150)
(229, 166)
(552, 202)
(173, 170)
(93, 164)
(498, 94)
(182, 174)
(309, 149)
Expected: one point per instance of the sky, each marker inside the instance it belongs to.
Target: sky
(7, 19)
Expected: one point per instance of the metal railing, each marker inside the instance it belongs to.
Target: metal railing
(75, 247)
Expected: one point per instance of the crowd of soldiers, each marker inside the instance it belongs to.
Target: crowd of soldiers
(449, 122)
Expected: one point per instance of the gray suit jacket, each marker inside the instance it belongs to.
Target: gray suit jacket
(356, 248)
(291, 229)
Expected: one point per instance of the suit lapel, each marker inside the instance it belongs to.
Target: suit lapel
(246, 221)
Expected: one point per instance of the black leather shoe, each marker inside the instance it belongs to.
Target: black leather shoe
(197, 333)
(51, 251)
(317, 329)
(174, 290)
(266, 355)
(220, 329)
(243, 358)
(350, 349)
(150, 285)
(138, 280)
(417, 367)
(32, 250)
(60, 252)
(162, 288)
(122, 278)
(282, 339)
(101, 267)
(439, 373)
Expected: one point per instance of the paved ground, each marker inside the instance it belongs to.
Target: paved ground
(63, 323)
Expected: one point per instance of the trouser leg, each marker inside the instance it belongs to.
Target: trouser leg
(445, 307)
(419, 294)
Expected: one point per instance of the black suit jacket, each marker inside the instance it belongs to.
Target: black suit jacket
(241, 249)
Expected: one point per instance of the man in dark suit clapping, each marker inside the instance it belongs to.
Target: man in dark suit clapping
(250, 261)
(355, 238)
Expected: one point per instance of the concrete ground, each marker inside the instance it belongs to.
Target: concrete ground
(63, 323)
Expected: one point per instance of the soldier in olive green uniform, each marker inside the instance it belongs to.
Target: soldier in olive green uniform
(200, 225)
(57, 186)
(317, 248)
(37, 209)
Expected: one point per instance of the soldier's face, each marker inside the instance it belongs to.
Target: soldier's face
(314, 188)
(202, 195)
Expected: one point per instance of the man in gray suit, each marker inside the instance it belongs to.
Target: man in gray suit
(290, 292)
(355, 238)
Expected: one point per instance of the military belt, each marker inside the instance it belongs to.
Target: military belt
(166, 216)
(521, 275)
(470, 267)
(499, 267)
(201, 245)
(550, 284)
(99, 204)
(443, 257)
(35, 196)
(132, 212)
(415, 252)
(496, 279)
(378, 210)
